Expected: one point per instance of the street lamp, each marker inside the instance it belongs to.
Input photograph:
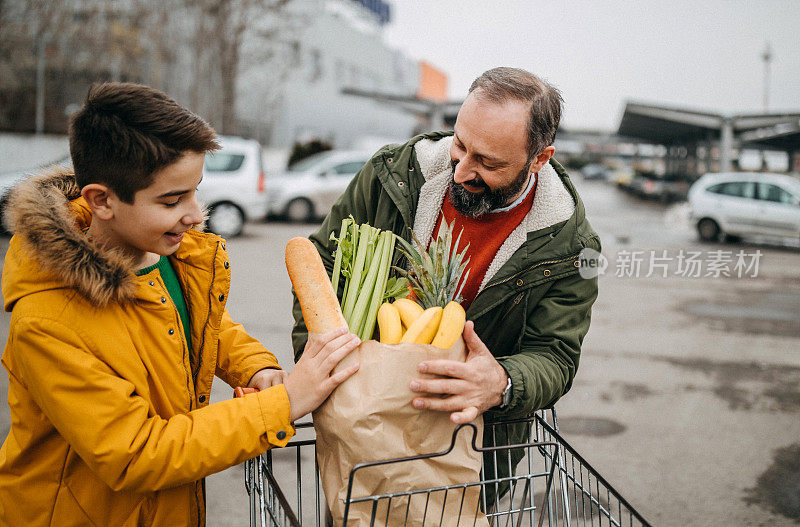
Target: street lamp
(767, 57)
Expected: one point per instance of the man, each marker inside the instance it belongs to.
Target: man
(525, 225)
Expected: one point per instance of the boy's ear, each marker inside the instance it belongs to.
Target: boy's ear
(98, 197)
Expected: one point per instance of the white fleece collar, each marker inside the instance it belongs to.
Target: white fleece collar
(552, 202)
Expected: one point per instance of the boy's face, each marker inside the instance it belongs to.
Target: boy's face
(159, 215)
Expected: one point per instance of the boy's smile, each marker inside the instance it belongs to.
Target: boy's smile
(154, 224)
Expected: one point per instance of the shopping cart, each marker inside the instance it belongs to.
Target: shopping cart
(553, 485)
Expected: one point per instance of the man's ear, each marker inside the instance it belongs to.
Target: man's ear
(541, 160)
(99, 198)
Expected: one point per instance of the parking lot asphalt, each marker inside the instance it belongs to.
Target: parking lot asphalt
(687, 399)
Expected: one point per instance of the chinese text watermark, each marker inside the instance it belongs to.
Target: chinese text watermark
(663, 263)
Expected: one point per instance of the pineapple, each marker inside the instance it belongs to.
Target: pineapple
(435, 275)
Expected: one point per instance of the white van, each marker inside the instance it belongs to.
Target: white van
(233, 186)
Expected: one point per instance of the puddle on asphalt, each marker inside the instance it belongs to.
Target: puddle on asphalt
(589, 426)
(632, 391)
(778, 488)
(753, 312)
(627, 391)
(769, 387)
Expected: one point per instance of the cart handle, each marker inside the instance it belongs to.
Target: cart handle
(241, 391)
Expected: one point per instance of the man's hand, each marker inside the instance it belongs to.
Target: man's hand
(473, 386)
(267, 378)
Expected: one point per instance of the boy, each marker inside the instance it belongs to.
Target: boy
(119, 325)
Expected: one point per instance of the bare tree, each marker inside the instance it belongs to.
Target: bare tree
(196, 50)
(229, 23)
(53, 49)
(26, 28)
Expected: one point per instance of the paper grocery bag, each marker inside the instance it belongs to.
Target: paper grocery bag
(370, 418)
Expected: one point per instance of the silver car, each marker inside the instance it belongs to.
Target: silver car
(742, 204)
(308, 189)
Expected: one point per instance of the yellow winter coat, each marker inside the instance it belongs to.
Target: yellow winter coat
(110, 424)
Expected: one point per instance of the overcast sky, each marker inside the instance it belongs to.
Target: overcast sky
(697, 54)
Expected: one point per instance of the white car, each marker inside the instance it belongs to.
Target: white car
(309, 188)
(745, 203)
(233, 186)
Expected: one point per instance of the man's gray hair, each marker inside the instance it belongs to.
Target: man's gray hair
(501, 84)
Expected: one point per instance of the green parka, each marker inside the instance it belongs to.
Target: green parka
(534, 310)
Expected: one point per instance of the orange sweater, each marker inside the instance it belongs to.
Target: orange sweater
(484, 235)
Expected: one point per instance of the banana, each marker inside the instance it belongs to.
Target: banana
(391, 329)
(409, 310)
(451, 326)
(423, 329)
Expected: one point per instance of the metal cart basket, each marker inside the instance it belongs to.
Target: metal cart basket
(553, 485)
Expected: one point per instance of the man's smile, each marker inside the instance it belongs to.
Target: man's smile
(475, 186)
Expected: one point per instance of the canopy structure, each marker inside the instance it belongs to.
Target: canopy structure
(688, 128)
(782, 136)
(668, 126)
(440, 115)
(684, 132)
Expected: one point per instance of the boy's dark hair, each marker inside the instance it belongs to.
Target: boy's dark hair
(125, 132)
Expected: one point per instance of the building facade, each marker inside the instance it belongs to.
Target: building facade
(337, 45)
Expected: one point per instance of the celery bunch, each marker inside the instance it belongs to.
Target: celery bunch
(363, 257)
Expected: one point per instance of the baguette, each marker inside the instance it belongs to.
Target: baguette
(321, 310)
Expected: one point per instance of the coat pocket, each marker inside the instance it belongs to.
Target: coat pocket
(83, 499)
(501, 328)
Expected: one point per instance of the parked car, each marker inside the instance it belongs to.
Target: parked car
(621, 176)
(740, 204)
(594, 172)
(308, 189)
(233, 186)
(663, 188)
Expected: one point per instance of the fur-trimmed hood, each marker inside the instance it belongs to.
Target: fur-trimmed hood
(49, 249)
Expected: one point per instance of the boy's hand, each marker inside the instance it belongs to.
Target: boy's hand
(310, 381)
(267, 378)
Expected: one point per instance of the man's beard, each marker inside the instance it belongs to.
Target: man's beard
(475, 205)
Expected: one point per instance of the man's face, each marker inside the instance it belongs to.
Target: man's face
(489, 155)
(161, 213)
